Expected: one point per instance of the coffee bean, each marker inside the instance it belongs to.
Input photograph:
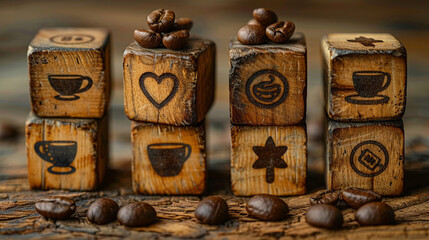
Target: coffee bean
(253, 22)
(176, 40)
(324, 216)
(147, 38)
(161, 20)
(56, 207)
(267, 207)
(183, 24)
(212, 210)
(325, 197)
(264, 16)
(251, 35)
(136, 214)
(356, 197)
(102, 211)
(375, 213)
(280, 32)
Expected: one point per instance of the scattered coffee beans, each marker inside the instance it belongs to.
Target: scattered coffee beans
(325, 197)
(176, 40)
(56, 207)
(280, 32)
(136, 214)
(183, 24)
(356, 197)
(102, 211)
(161, 20)
(251, 35)
(267, 207)
(212, 210)
(264, 16)
(324, 216)
(147, 38)
(375, 213)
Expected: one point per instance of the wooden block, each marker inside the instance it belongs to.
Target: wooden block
(70, 72)
(268, 159)
(66, 153)
(168, 159)
(365, 76)
(168, 86)
(268, 83)
(367, 155)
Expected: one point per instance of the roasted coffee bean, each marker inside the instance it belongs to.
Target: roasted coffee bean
(176, 40)
(280, 32)
(325, 197)
(183, 24)
(264, 16)
(253, 22)
(56, 207)
(136, 214)
(251, 35)
(324, 216)
(147, 38)
(267, 207)
(356, 197)
(375, 213)
(212, 210)
(102, 211)
(161, 20)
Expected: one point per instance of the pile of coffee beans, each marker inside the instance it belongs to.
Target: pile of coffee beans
(212, 210)
(325, 208)
(263, 26)
(166, 31)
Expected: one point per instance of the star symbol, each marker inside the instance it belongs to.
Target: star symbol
(270, 157)
(368, 42)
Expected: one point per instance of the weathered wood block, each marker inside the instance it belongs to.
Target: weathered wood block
(168, 86)
(367, 155)
(268, 83)
(268, 159)
(66, 153)
(168, 159)
(70, 72)
(365, 77)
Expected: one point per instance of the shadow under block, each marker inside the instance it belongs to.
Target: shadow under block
(365, 155)
(70, 72)
(168, 159)
(167, 86)
(268, 83)
(365, 77)
(268, 159)
(67, 154)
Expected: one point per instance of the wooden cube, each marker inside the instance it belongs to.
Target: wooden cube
(268, 83)
(66, 153)
(367, 155)
(268, 159)
(168, 86)
(168, 159)
(70, 72)
(365, 77)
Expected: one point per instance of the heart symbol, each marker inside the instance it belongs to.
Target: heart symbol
(159, 80)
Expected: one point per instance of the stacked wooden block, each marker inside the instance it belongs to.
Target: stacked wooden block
(67, 130)
(167, 94)
(365, 88)
(267, 108)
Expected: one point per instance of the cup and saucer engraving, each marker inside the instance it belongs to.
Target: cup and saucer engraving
(368, 84)
(60, 153)
(167, 159)
(69, 85)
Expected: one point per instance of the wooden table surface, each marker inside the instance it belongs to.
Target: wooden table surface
(217, 20)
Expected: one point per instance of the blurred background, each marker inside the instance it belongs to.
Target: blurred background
(217, 20)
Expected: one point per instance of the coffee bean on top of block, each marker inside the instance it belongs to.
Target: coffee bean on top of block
(375, 213)
(357, 197)
(147, 38)
(56, 207)
(324, 216)
(264, 16)
(102, 211)
(251, 35)
(267, 207)
(280, 32)
(212, 210)
(161, 20)
(136, 214)
(183, 24)
(176, 40)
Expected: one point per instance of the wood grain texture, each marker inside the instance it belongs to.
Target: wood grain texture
(69, 72)
(184, 101)
(86, 151)
(366, 155)
(247, 180)
(256, 101)
(345, 88)
(168, 159)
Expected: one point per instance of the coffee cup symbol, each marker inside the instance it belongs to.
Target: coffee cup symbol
(167, 159)
(60, 153)
(368, 84)
(69, 85)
